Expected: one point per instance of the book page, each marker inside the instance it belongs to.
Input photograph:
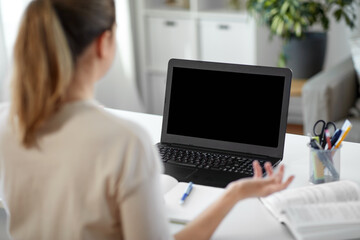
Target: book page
(339, 191)
(325, 214)
(324, 221)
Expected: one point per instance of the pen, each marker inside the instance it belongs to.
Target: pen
(186, 193)
(327, 135)
(336, 136)
(345, 130)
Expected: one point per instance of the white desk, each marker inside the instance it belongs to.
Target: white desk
(250, 219)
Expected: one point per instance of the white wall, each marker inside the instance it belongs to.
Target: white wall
(119, 89)
(338, 47)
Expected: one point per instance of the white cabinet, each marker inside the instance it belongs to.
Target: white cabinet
(227, 41)
(190, 29)
(169, 38)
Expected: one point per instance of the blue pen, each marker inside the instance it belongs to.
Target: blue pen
(336, 136)
(186, 193)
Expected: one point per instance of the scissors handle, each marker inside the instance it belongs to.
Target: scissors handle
(316, 125)
(328, 124)
(324, 125)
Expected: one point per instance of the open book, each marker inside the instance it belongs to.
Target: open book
(325, 211)
(198, 200)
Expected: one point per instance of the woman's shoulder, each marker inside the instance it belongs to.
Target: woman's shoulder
(100, 121)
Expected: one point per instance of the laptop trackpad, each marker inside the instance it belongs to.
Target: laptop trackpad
(214, 178)
(179, 172)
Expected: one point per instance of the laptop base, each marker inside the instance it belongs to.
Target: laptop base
(202, 176)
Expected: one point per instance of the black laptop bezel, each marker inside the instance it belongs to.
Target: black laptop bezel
(272, 152)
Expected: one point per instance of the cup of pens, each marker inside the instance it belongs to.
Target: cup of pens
(325, 151)
(324, 165)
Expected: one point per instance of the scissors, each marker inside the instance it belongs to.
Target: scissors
(319, 130)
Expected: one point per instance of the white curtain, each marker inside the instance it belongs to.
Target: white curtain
(118, 89)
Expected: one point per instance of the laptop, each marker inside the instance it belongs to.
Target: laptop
(220, 117)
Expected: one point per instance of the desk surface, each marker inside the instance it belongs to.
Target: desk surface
(250, 219)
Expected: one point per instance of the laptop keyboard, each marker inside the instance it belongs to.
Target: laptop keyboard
(207, 160)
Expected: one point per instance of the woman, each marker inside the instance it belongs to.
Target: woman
(71, 170)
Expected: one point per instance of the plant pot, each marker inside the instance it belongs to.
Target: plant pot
(305, 56)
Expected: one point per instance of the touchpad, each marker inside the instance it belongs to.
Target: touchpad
(179, 172)
(213, 178)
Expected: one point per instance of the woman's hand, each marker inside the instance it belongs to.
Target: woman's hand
(259, 186)
(206, 223)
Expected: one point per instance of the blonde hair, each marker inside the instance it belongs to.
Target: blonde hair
(52, 35)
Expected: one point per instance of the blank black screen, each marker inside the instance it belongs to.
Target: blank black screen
(226, 106)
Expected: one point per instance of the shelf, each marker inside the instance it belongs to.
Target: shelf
(168, 8)
(227, 14)
(164, 12)
(162, 5)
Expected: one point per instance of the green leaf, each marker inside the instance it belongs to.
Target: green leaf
(282, 60)
(280, 27)
(284, 7)
(292, 10)
(273, 11)
(348, 21)
(275, 23)
(297, 28)
(325, 23)
(337, 14)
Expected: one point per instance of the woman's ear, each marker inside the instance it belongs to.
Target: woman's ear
(104, 44)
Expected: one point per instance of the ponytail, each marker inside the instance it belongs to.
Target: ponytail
(43, 67)
(52, 35)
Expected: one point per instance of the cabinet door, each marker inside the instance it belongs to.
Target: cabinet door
(226, 41)
(170, 38)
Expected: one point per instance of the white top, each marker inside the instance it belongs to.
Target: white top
(94, 176)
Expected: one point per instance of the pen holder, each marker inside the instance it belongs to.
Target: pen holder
(324, 165)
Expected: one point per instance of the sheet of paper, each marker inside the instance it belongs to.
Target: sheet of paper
(198, 200)
(167, 183)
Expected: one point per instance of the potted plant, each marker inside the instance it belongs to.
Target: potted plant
(293, 20)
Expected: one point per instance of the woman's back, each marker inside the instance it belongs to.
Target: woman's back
(74, 184)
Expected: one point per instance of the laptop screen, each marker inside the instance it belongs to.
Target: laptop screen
(226, 106)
